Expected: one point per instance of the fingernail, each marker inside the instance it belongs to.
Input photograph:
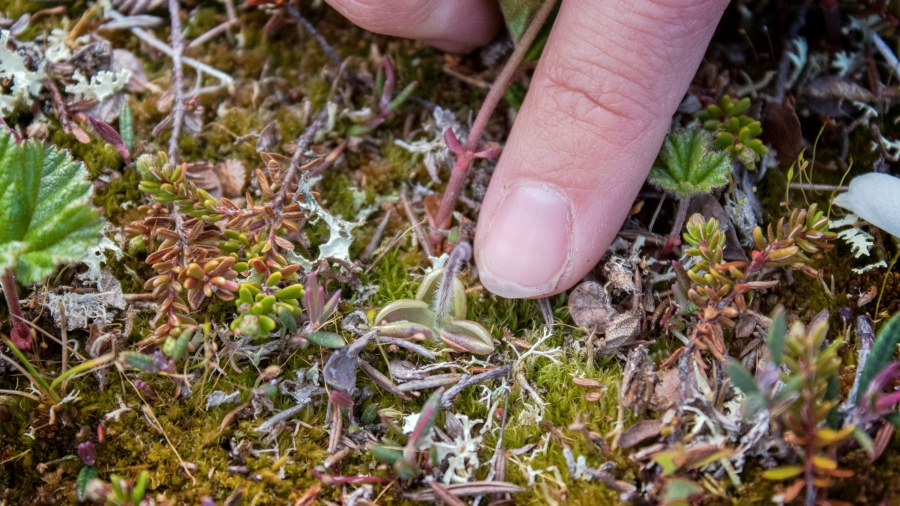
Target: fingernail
(526, 244)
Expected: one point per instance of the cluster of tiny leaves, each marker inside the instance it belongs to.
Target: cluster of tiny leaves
(196, 260)
(734, 132)
(806, 366)
(791, 243)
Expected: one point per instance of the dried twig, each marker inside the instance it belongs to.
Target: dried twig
(310, 29)
(470, 381)
(161, 46)
(415, 222)
(206, 37)
(376, 237)
(178, 70)
(472, 149)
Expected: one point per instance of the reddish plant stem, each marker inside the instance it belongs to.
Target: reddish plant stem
(21, 334)
(680, 216)
(498, 88)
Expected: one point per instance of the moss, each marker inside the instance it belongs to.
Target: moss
(96, 155)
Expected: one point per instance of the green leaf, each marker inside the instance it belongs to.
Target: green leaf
(666, 460)
(681, 491)
(894, 418)
(141, 362)
(689, 165)
(782, 473)
(742, 379)
(427, 418)
(865, 442)
(182, 342)
(137, 495)
(327, 339)
(515, 95)
(776, 335)
(45, 204)
(518, 14)
(389, 452)
(882, 352)
(832, 393)
(86, 474)
(126, 126)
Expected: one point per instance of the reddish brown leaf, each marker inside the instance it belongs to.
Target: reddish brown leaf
(110, 135)
(781, 129)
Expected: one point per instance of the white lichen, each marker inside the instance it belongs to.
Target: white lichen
(102, 85)
(877, 265)
(798, 57)
(95, 256)
(462, 454)
(339, 231)
(25, 83)
(57, 50)
(82, 309)
(432, 147)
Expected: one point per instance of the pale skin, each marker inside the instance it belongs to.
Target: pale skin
(610, 78)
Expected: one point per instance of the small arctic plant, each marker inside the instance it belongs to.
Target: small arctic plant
(47, 218)
(689, 165)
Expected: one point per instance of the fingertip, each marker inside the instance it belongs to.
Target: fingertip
(524, 248)
(597, 110)
(450, 25)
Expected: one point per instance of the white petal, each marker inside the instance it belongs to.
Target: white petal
(876, 199)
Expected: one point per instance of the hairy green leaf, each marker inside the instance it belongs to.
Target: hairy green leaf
(45, 203)
(126, 125)
(690, 165)
(518, 14)
(882, 352)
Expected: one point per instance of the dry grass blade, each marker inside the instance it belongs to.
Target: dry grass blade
(474, 488)
(436, 381)
(309, 497)
(445, 495)
(380, 379)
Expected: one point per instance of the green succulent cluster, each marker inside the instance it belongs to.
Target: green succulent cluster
(259, 301)
(734, 132)
(707, 249)
(791, 242)
(166, 183)
(710, 279)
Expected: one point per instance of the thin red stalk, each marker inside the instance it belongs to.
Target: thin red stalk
(680, 217)
(498, 88)
(21, 334)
